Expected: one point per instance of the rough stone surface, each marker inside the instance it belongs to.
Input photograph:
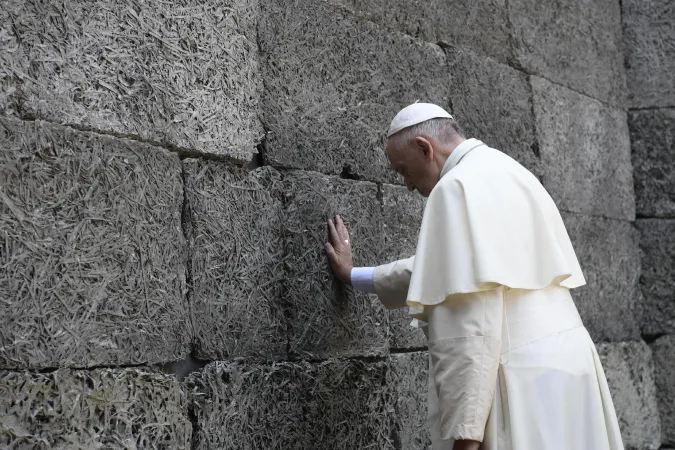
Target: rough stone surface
(327, 317)
(664, 355)
(652, 134)
(630, 374)
(102, 408)
(649, 47)
(657, 280)
(459, 23)
(402, 219)
(577, 43)
(182, 73)
(585, 152)
(409, 376)
(333, 84)
(92, 251)
(236, 253)
(609, 255)
(333, 404)
(504, 121)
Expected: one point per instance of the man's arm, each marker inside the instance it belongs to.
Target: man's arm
(389, 281)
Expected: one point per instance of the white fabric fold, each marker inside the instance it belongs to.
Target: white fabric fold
(489, 222)
(391, 282)
(464, 343)
(552, 393)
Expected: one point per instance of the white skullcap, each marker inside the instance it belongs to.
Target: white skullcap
(414, 114)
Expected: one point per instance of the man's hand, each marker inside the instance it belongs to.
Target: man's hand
(466, 445)
(339, 250)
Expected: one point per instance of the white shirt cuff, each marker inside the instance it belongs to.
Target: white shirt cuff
(362, 279)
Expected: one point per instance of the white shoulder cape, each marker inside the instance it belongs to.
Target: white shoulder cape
(489, 222)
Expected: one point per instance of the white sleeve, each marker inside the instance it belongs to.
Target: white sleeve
(464, 345)
(391, 282)
(362, 279)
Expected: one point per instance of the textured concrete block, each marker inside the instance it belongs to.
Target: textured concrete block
(577, 43)
(657, 280)
(93, 254)
(329, 318)
(333, 404)
(664, 355)
(585, 152)
(236, 251)
(334, 83)
(247, 407)
(102, 408)
(649, 47)
(402, 219)
(652, 135)
(409, 377)
(182, 73)
(630, 374)
(493, 102)
(609, 255)
(403, 212)
(480, 26)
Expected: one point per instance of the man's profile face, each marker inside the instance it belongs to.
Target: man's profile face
(415, 164)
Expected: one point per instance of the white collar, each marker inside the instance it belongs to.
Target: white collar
(458, 153)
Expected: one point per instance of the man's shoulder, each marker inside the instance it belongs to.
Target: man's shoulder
(487, 162)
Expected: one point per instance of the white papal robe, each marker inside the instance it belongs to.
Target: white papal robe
(511, 363)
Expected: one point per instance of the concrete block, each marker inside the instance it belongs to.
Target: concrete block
(408, 375)
(649, 48)
(236, 252)
(329, 318)
(576, 43)
(333, 84)
(182, 74)
(652, 135)
(333, 404)
(585, 152)
(459, 23)
(101, 408)
(93, 253)
(609, 255)
(629, 370)
(504, 121)
(403, 212)
(247, 407)
(402, 219)
(664, 354)
(657, 280)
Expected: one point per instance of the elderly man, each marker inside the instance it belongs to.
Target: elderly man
(511, 364)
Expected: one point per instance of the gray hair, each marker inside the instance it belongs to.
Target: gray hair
(442, 129)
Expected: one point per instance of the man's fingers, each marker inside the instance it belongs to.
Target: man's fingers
(334, 237)
(330, 251)
(341, 228)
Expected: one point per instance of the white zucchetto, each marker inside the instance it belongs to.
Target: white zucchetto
(414, 114)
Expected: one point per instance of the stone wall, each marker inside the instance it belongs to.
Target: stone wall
(167, 171)
(649, 37)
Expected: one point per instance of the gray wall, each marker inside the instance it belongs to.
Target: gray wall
(649, 37)
(168, 169)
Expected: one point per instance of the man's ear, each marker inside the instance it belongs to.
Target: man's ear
(425, 147)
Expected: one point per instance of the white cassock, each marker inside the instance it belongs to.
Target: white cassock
(511, 363)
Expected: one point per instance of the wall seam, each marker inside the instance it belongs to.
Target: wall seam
(182, 152)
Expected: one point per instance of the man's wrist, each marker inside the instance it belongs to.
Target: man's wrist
(348, 275)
